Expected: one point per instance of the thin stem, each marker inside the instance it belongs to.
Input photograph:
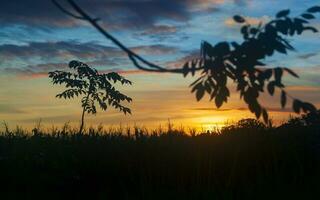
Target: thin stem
(82, 121)
(82, 116)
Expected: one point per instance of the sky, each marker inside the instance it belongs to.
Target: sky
(36, 37)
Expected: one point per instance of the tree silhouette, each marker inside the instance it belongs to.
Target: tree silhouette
(240, 62)
(243, 64)
(94, 87)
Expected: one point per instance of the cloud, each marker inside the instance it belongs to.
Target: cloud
(65, 50)
(307, 56)
(160, 33)
(251, 20)
(122, 14)
(51, 119)
(242, 109)
(303, 88)
(154, 50)
(41, 57)
(181, 61)
(62, 49)
(32, 12)
(160, 30)
(9, 109)
(218, 109)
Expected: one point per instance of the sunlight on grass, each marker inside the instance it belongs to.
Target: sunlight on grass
(211, 123)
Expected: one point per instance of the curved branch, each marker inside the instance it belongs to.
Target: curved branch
(135, 58)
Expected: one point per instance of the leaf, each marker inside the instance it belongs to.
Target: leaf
(296, 106)
(74, 64)
(255, 108)
(283, 13)
(193, 67)
(219, 100)
(297, 26)
(244, 29)
(196, 87)
(200, 93)
(292, 73)
(313, 29)
(222, 48)
(267, 74)
(283, 99)
(308, 107)
(278, 75)
(282, 26)
(196, 81)
(207, 87)
(185, 69)
(206, 49)
(238, 19)
(254, 31)
(280, 47)
(314, 9)
(307, 16)
(271, 87)
(302, 21)
(213, 92)
(265, 116)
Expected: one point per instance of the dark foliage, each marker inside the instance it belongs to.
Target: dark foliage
(311, 119)
(244, 161)
(94, 87)
(242, 63)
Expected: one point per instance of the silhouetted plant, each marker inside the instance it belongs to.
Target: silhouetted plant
(312, 119)
(309, 119)
(243, 64)
(240, 62)
(250, 124)
(94, 87)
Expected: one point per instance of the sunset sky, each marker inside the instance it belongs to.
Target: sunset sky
(36, 37)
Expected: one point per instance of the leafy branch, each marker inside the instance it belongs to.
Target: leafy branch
(240, 62)
(93, 86)
(243, 64)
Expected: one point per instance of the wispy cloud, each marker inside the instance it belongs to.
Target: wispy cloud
(10, 109)
(307, 56)
(42, 57)
(160, 30)
(115, 13)
(251, 20)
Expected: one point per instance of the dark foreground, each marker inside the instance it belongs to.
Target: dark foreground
(246, 161)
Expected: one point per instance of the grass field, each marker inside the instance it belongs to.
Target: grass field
(242, 161)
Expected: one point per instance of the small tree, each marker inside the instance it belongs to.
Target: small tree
(94, 87)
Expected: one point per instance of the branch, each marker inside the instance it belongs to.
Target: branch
(66, 11)
(135, 58)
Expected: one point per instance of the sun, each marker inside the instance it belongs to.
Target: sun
(211, 123)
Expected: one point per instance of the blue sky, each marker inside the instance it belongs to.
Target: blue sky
(35, 37)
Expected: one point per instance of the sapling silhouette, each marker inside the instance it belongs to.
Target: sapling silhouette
(93, 86)
(240, 62)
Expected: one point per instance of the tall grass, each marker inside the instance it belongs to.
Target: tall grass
(242, 161)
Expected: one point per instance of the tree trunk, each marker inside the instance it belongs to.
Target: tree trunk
(82, 121)
(82, 117)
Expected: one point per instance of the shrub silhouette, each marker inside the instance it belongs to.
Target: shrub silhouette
(250, 124)
(310, 119)
(241, 163)
(239, 62)
(93, 86)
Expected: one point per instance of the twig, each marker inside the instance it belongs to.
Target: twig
(135, 58)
